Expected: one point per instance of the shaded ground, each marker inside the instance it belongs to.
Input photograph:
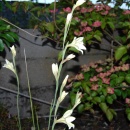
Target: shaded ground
(87, 121)
(98, 122)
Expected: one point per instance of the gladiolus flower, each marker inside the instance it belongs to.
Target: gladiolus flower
(9, 65)
(67, 119)
(13, 51)
(55, 70)
(78, 44)
(62, 96)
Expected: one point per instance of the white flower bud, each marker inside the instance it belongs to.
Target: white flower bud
(13, 51)
(55, 70)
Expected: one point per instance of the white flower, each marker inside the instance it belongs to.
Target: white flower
(68, 19)
(79, 2)
(55, 70)
(13, 51)
(67, 119)
(78, 44)
(64, 81)
(62, 96)
(69, 57)
(9, 65)
(77, 100)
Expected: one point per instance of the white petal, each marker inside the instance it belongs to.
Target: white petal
(9, 65)
(80, 39)
(68, 113)
(70, 125)
(69, 120)
(68, 19)
(13, 51)
(63, 95)
(71, 56)
(80, 2)
(78, 44)
(77, 99)
(55, 70)
(65, 81)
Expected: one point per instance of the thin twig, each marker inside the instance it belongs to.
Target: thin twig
(112, 52)
(112, 38)
(25, 30)
(54, 17)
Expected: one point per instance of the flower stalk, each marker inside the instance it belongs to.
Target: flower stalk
(12, 67)
(78, 44)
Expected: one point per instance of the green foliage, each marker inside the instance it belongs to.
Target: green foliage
(122, 50)
(92, 21)
(103, 85)
(7, 37)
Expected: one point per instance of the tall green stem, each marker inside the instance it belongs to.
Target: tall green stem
(19, 123)
(57, 86)
(67, 26)
(29, 91)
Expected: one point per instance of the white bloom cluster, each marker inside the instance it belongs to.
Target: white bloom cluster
(67, 118)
